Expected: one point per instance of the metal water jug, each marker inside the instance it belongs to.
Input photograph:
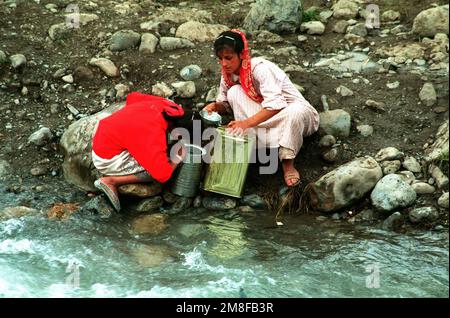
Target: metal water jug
(187, 176)
(227, 170)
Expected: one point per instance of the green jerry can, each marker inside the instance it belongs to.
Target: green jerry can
(228, 167)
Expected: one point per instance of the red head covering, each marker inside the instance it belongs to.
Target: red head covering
(245, 72)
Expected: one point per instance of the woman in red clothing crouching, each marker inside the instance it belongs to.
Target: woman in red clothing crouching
(130, 145)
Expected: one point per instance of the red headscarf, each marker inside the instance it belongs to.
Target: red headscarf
(245, 72)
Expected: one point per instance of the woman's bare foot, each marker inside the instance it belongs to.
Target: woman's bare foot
(291, 175)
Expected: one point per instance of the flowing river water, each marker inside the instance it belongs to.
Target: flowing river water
(218, 254)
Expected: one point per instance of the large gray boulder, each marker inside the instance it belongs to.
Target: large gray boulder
(431, 21)
(392, 192)
(278, 16)
(344, 185)
(76, 143)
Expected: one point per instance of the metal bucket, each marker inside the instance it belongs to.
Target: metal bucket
(187, 179)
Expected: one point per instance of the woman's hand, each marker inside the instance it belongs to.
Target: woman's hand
(238, 127)
(210, 108)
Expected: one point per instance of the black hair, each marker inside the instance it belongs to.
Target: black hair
(180, 121)
(229, 39)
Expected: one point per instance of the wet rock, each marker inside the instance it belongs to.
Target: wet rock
(181, 205)
(390, 16)
(431, 21)
(16, 212)
(424, 214)
(390, 166)
(411, 164)
(336, 216)
(153, 224)
(124, 40)
(169, 197)
(76, 144)
(439, 176)
(345, 9)
(365, 130)
(423, 188)
(443, 200)
(98, 205)
(245, 209)
(197, 202)
(327, 141)
(191, 230)
(345, 185)
(281, 16)
(389, 153)
(106, 66)
(331, 155)
(38, 171)
(184, 89)
(149, 42)
(200, 32)
(41, 136)
(428, 95)
(5, 168)
(172, 43)
(151, 255)
(313, 27)
(62, 211)
(254, 201)
(439, 149)
(150, 204)
(18, 60)
(219, 203)
(366, 216)
(191, 72)
(335, 122)
(393, 222)
(141, 190)
(391, 192)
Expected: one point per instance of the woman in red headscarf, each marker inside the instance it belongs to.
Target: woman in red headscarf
(130, 146)
(262, 98)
